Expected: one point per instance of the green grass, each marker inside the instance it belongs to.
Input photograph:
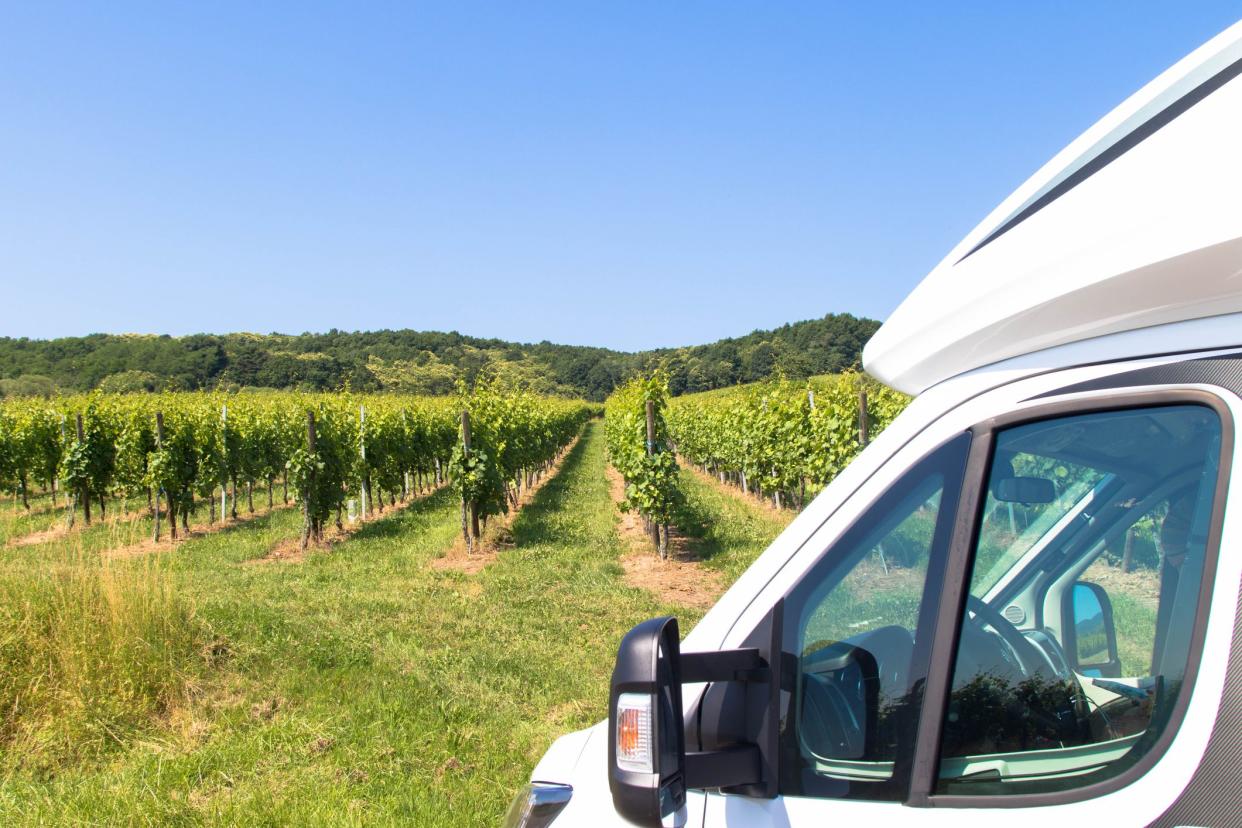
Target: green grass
(126, 523)
(89, 653)
(363, 685)
(728, 530)
(1135, 622)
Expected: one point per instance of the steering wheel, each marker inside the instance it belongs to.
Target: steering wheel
(1063, 712)
(1025, 654)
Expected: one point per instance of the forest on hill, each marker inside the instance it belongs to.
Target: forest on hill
(415, 362)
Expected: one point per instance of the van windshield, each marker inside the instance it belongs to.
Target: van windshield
(1073, 641)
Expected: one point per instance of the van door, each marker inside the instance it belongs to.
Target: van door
(861, 622)
(1017, 623)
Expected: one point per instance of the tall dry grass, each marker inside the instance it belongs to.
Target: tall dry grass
(92, 653)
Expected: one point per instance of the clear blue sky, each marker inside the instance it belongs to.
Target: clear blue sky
(627, 174)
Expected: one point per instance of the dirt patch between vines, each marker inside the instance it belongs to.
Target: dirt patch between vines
(36, 509)
(1142, 585)
(48, 535)
(498, 534)
(680, 578)
(115, 517)
(459, 559)
(61, 528)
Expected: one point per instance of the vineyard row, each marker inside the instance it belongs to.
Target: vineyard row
(780, 439)
(184, 449)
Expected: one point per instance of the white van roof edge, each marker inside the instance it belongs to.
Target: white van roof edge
(1061, 259)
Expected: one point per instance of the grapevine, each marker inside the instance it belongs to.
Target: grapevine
(647, 466)
(781, 439)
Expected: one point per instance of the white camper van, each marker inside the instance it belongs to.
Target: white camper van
(1065, 645)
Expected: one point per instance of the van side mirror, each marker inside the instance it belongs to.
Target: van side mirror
(1091, 637)
(646, 731)
(649, 770)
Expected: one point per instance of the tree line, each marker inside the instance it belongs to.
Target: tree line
(414, 362)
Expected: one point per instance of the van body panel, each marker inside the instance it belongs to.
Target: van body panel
(930, 419)
(1205, 336)
(1162, 785)
(591, 803)
(1213, 795)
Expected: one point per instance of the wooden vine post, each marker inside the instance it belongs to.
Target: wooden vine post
(362, 441)
(660, 538)
(84, 492)
(310, 484)
(801, 481)
(405, 479)
(863, 425)
(224, 489)
(649, 524)
(70, 498)
(470, 507)
(159, 442)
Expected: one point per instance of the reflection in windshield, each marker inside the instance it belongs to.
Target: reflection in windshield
(1010, 530)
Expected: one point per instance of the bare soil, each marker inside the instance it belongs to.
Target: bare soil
(116, 516)
(869, 577)
(48, 535)
(61, 528)
(680, 578)
(36, 509)
(1142, 584)
(197, 530)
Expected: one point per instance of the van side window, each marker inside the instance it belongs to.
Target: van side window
(1084, 591)
(855, 622)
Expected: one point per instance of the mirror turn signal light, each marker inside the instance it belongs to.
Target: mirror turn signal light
(635, 742)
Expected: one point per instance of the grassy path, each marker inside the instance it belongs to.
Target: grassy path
(126, 524)
(728, 530)
(362, 686)
(365, 686)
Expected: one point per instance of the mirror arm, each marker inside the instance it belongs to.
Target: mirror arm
(724, 665)
(749, 767)
(737, 765)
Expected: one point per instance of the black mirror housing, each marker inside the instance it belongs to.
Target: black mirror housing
(649, 769)
(648, 665)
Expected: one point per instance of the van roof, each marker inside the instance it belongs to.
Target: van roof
(1136, 223)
